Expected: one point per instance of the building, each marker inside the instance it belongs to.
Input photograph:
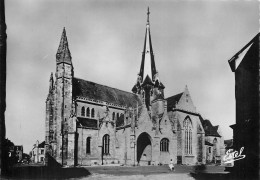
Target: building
(89, 123)
(38, 152)
(214, 143)
(17, 152)
(245, 65)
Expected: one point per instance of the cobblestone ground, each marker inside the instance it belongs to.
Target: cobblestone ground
(170, 176)
(129, 172)
(144, 172)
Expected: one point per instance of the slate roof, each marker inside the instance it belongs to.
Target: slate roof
(63, 53)
(231, 62)
(100, 92)
(87, 122)
(209, 129)
(41, 145)
(171, 101)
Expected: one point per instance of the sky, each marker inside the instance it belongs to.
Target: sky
(192, 43)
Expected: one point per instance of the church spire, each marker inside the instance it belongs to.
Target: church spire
(148, 64)
(63, 54)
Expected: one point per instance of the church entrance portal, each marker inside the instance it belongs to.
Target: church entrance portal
(144, 149)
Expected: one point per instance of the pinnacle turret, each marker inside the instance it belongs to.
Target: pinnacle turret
(51, 82)
(63, 54)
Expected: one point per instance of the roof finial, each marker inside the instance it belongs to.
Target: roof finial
(148, 13)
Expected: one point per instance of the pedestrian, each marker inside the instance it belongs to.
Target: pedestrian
(171, 166)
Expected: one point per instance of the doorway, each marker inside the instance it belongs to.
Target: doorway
(144, 149)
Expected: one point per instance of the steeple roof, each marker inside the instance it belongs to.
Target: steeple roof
(63, 54)
(148, 64)
(147, 81)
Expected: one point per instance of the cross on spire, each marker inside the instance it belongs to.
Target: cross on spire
(148, 13)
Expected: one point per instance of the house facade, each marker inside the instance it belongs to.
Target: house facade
(245, 65)
(38, 152)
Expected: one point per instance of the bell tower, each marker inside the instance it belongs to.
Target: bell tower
(63, 97)
(148, 85)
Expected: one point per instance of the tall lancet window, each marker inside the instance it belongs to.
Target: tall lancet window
(105, 144)
(113, 116)
(187, 135)
(83, 111)
(88, 112)
(92, 112)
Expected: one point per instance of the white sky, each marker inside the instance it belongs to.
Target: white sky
(192, 42)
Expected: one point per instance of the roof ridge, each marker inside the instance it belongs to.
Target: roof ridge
(175, 95)
(104, 85)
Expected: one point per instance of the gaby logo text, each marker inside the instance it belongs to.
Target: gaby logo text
(233, 155)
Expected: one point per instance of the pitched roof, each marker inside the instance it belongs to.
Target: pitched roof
(87, 122)
(100, 92)
(209, 129)
(232, 61)
(41, 145)
(171, 101)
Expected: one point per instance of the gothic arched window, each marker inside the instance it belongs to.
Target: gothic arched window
(92, 112)
(106, 144)
(164, 145)
(83, 111)
(88, 112)
(88, 145)
(113, 116)
(187, 135)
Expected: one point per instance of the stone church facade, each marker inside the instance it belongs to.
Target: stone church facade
(89, 123)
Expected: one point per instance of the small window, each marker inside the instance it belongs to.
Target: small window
(209, 149)
(92, 112)
(42, 151)
(83, 111)
(164, 145)
(117, 116)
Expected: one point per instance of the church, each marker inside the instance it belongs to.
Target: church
(93, 124)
